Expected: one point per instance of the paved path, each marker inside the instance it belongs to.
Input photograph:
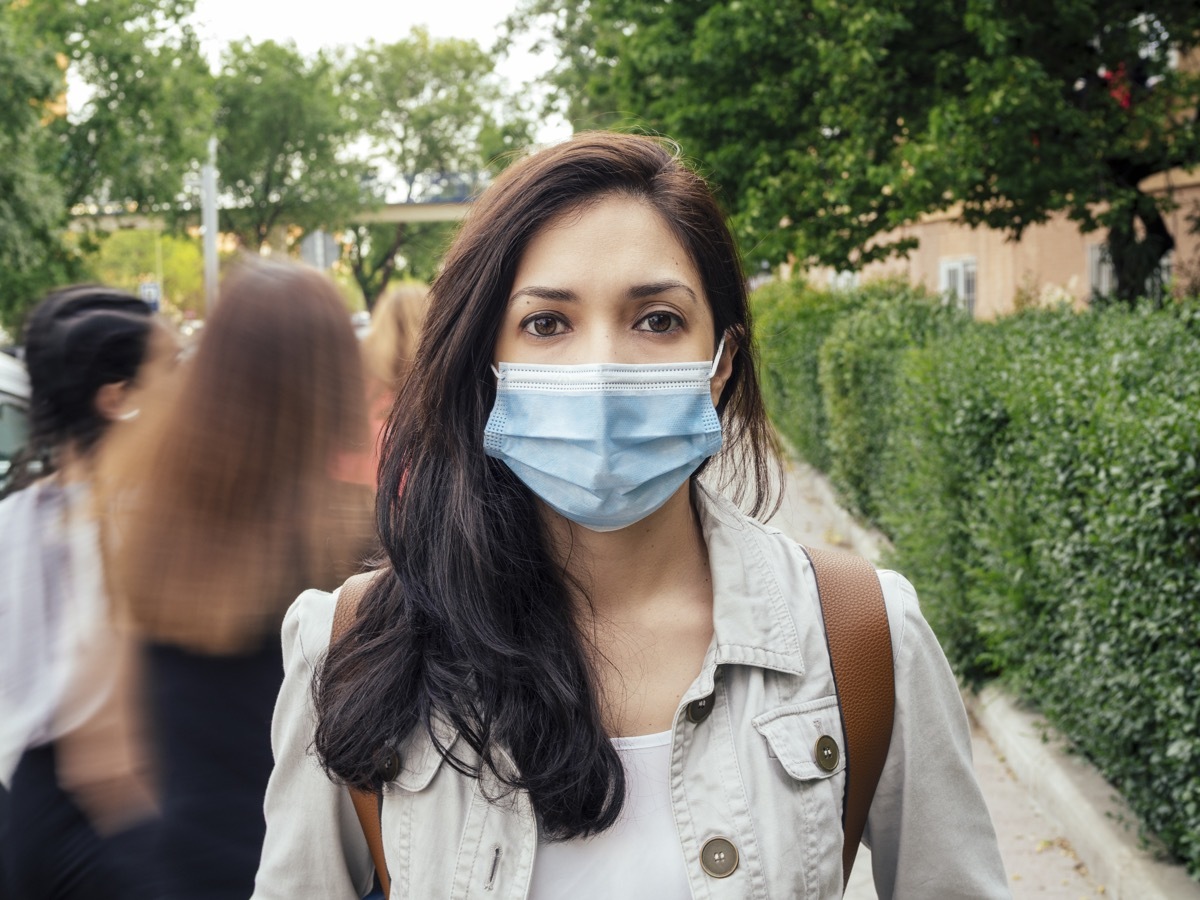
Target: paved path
(1038, 858)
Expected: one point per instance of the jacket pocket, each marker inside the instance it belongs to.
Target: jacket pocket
(806, 738)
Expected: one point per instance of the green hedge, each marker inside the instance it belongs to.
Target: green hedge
(1044, 492)
(1040, 480)
(792, 322)
(858, 366)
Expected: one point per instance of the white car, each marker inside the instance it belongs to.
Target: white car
(14, 413)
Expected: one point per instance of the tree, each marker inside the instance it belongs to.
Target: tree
(147, 109)
(379, 252)
(830, 124)
(31, 213)
(283, 154)
(128, 258)
(137, 66)
(437, 123)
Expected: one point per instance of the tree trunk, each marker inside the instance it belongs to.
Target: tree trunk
(386, 268)
(1137, 261)
(358, 266)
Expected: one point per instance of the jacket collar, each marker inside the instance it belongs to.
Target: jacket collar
(752, 619)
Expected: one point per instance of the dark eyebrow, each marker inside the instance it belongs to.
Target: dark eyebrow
(640, 291)
(637, 292)
(544, 293)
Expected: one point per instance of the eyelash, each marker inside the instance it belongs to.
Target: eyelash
(528, 324)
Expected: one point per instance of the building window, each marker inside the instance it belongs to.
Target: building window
(1101, 280)
(956, 282)
(845, 280)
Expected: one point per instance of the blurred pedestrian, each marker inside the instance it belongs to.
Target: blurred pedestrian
(388, 349)
(71, 751)
(222, 494)
(584, 672)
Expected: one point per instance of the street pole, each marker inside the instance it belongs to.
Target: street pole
(158, 275)
(208, 221)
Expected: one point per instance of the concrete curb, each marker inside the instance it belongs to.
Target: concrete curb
(1101, 827)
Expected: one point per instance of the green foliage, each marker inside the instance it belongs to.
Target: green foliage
(437, 122)
(137, 63)
(433, 112)
(32, 209)
(1043, 488)
(1039, 477)
(283, 153)
(828, 125)
(378, 253)
(128, 258)
(792, 321)
(858, 365)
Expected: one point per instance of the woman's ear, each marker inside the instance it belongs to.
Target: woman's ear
(724, 367)
(110, 401)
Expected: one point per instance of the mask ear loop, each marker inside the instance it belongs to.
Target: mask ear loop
(716, 359)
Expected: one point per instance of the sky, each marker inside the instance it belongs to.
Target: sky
(348, 22)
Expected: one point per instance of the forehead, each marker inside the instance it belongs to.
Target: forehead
(607, 239)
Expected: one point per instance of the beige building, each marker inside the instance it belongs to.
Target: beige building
(1051, 263)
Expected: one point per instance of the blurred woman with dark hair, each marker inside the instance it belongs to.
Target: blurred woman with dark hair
(221, 494)
(69, 742)
(584, 672)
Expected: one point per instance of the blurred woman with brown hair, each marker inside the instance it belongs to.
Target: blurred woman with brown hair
(221, 496)
(388, 351)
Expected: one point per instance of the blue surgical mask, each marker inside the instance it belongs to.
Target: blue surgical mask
(604, 445)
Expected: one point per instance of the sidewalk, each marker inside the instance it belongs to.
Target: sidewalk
(1053, 789)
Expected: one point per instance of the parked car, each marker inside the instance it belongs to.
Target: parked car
(14, 414)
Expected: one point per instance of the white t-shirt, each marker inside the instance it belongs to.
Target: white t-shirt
(638, 858)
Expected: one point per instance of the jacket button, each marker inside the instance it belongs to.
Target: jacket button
(698, 710)
(826, 753)
(389, 764)
(718, 857)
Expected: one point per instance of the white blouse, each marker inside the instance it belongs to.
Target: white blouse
(639, 856)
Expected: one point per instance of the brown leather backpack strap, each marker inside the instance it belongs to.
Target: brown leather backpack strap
(860, 650)
(366, 805)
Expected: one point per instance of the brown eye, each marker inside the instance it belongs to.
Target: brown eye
(660, 323)
(544, 326)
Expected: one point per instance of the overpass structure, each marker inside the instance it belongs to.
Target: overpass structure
(449, 211)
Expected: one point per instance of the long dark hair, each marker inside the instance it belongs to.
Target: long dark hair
(471, 624)
(77, 340)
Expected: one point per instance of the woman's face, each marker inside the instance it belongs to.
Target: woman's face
(610, 284)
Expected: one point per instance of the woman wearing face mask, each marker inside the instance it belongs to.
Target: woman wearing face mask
(585, 673)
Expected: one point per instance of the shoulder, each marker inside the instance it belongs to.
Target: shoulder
(903, 608)
(19, 503)
(306, 627)
(791, 568)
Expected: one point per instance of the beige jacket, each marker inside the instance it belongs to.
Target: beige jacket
(745, 772)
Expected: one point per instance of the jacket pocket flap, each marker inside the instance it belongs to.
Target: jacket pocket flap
(806, 738)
